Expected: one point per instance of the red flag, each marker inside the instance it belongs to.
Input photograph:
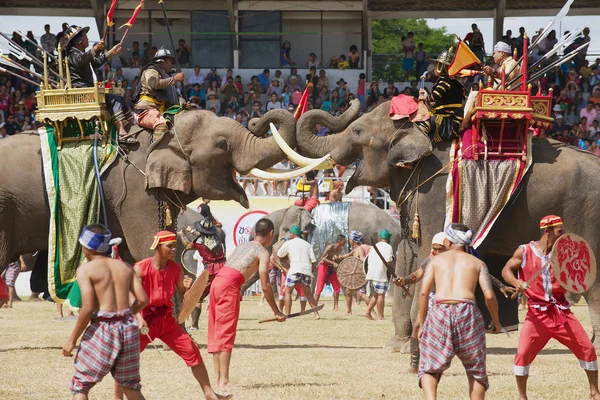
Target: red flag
(129, 23)
(109, 17)
(303, 105)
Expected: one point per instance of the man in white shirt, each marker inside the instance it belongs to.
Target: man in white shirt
(196, 77)
(302, 260)
(377, 273)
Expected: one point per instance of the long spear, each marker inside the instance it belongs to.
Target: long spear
(21, 54)
(10, 63)
(19, 76)
(162, 4)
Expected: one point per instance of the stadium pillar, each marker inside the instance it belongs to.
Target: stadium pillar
(499, 13)
(366, 39)
(232, 11)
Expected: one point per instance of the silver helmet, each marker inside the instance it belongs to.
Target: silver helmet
(162, 54)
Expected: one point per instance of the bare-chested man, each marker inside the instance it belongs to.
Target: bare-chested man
(225, 297)
(453, 325)
(312, 201)
(358, 251)
(326, 271)
(106, 285)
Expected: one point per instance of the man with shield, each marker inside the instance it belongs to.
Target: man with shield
(549, 315)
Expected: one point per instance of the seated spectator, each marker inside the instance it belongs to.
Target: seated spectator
(320, 130)
(194, 103)
(250, 99)
(3, 132)
(390, 91)
(342, 63)
(213, 103)
(256, 111)
(229, 90)
(594, 148)
(239, 86)
(195, 77)
(373, 94)
(31, 103)
(336, 101)
(228, 74)
(594, 128)
(25, 89)
(254, 85)
(342, 90)
(324, 94)
(333, 63)
(136, 60)
(119, 76)
(233, 103)
(286, 96)
(274, 89)
(312, 72)
(213, 89)
(596, 95)
(27, 125)
(286, 58)
(296, 96)
(589, 112)
(353, 57)
(299, 80)
(312, 61)
(279, 78)
(294, 85)
(244, 117)
(572, 116)
(263, 80)
(564, 136)
(323, 80)
(198, 93)
(184, 54)
(229, 112)
(318, 103)
(21, 112)
(594, 78)
(12, 126)
(212, 76)
(274, 103)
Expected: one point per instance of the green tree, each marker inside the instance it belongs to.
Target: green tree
(387, 47)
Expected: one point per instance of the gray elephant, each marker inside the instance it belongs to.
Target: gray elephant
(199, 160)
(563, 181)
(362, 217)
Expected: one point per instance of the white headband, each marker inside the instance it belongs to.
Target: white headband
(503, 47)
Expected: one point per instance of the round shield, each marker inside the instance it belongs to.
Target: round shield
(573, 263)
(285, 261)
(192, 297)
(350, 273)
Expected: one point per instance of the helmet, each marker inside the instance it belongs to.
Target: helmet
(73, 32)
(443, 61)
(162, 53)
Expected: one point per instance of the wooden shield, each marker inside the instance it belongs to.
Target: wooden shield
(350, 273)
(574, 263)
(285, 261)
(192, 297)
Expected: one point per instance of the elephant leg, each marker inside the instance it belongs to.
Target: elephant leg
(401, 311)
(592, 297)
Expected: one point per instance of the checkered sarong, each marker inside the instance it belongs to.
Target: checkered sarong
(110, 344)
(380, 287)
(11, 273)
(302, 279)
(453, 330)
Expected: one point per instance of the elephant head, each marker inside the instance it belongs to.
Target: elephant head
(374, 140)
(202, 151)
(295, 215)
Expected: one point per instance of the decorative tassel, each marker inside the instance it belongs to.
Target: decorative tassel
(168, 219)
(416, 228)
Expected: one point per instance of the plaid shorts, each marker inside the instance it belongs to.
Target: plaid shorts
(380, 287)
(302, 279)
(11, 273)
(110, 344)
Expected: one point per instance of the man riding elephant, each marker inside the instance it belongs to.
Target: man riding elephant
(503, 58)
(157, 93)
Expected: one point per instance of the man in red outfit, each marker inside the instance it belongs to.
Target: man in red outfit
(160, 277)
(549, 315)
(327, 271)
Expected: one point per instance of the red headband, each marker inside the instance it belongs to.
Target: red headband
(550, 221)
(163, 237)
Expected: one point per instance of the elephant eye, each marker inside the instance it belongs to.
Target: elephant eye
(223, 145)
(356, 130)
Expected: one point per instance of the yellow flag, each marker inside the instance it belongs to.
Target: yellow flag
(463, 58)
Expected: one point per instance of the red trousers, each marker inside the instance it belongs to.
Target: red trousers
(308, 204)
(323, 275)
(224, 310)
(541, 326)
(163, 326)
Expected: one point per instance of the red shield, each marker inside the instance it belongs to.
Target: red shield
(573, 263)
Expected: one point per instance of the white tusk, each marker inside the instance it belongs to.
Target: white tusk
(277, 175)
(327, 161)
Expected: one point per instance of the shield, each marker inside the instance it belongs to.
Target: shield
(350, 273)
(573, 263)
(285, 261)
(192, 297)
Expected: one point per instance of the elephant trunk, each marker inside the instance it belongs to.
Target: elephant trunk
(337, 145)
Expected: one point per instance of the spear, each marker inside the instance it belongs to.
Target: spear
(40, 48)
(10, 63)
(19, 76)
(565, 42)
(22, 54)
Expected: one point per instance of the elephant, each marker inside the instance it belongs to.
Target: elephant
(362, 217)
(196, 159)
(399, 155)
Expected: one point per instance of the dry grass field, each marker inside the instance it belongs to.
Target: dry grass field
(338, 357)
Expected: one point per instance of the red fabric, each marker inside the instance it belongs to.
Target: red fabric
(298, 287)
(209, 257)
(164, 326)
(224, 310)
(308, 204)
(159, 285)
(302, 104)
(540, 326)
(536, 294)
(323, 275)
(402, 106)
(3, 290)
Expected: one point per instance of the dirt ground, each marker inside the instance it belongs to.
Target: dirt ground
(338, 357)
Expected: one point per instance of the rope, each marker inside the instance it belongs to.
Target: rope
(98, 177)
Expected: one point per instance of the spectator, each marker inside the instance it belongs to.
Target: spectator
(286, 96)
(118, 61)
(196, 77)
(12, 126)
(31, 102)
(296, 96)
(572, 115)
(408, 47)
(299, 80)
(147, 53)
(336, 101)
(228, 75)
(254, 85)
(214, 90)
(279, 78)
(520, 42)
(312, 61)
(421, 61)
(184, 54)
(353, 57)
(264, 80)
(312, 73)
(323, 80)
(373, 93)
(585, 72)
(256, 112)
(3, 133)
(239, 86)
(4, 101)
(136, 60)
(508, 37)
(197, 92)
(594, 128)
(274, 89)
(360, 90)
(229, 113)
(596, 97)
(48, 40)
(274, 103)
(233, 103)
(589, 112)
(548, 43)
(229, 90)
(390, 91)
(343, 90)
(61, 37)
(119, 76)
(286, 58)
(27, 125)
(582, 54)
(213, 103)
(244, 118)
(475, 41)
(594, 148)
(251, 98)
(333, 63)
(293, 85)
(342, 63)
(213, 75)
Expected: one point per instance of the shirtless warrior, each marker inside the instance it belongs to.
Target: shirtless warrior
(358, 251)
(108, 287)
(453, 325)
(225, 297)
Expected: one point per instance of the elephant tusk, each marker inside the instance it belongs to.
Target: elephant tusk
(276, 175)
(326, 162)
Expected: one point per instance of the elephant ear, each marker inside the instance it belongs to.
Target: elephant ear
(166, 166)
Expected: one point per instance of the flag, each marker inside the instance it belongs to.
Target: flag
(129, 23)
(111, 12)
(303, 105)
(463, 58)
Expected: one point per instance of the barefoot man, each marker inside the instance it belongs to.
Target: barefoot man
(453, 325)
(548, 316)
(225, 296)
(326, 271)
(358, 251)
(161, 276)
(111, 342)
(302, 260)
(377, 275)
